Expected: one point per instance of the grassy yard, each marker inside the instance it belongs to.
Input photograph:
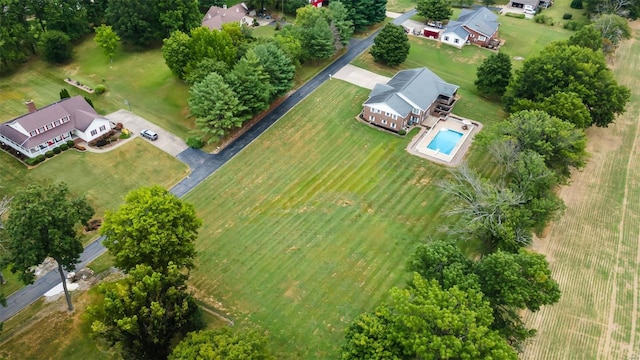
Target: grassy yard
(104, 178)
(141, 78)
(311, 225)
(594, 249)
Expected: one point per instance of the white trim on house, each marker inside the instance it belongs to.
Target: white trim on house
(450, 38)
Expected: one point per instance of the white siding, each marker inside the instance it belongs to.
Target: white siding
(95, 125)
(449, 38)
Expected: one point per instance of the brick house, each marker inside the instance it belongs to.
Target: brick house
(479, 27)
(408, 98)
(43, 129)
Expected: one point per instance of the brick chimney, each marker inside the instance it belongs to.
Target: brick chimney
(31, 106)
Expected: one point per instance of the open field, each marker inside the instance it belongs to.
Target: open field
(104, 178)
(141, 78)
(594, 249)
(311, 225)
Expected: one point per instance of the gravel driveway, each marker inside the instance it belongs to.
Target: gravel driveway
(166, 140)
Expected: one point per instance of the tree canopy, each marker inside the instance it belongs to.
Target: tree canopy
(153, 227)
(363, 13)
(391, 45)
(56, 47)
(107, 39)
(426, 321)
(494, 74)
(436, 10)
(145, 313)
(278, 66)
(222, 344)
(42, 223)
(570, 68)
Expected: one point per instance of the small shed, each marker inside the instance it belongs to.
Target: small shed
(431, 32)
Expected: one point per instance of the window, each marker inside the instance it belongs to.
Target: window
(472, 35)
(56, 123)
(416, 111)
(446, 38)
(456, 40)
(49, 126)
(65, 119)
(482, 38)
(394, 116)
(41, 130)
(393, 125)
(103, 128)
(33, 133)
(94, 132)
(387, 114)
(372, 118)
(384, 122)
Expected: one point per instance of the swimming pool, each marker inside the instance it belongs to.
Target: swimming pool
(444, 141)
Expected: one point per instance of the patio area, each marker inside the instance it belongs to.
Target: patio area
(423, 144)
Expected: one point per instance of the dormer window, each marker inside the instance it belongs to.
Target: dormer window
(416, 111)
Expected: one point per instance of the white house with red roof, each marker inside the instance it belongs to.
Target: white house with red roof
(43, 129)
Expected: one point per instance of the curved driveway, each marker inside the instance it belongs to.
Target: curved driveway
(202, 166)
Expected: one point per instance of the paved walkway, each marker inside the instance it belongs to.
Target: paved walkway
(204, 166)
(359, 76)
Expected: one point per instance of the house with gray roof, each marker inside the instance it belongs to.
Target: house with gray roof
(474, 26)
(41, 130)
(408, 98)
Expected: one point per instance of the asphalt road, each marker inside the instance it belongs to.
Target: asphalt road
(202, 166)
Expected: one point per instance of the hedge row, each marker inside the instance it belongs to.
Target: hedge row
(49, 154)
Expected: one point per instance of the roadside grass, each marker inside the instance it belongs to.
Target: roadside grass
(103, 178)
(400, 6)
(311, 225)
(594, 249)
(141, 78)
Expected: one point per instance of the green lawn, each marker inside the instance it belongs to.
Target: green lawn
(104, 178)
(141, 78)
(312, 223)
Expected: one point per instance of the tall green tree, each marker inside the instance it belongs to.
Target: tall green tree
(570, 68)
(278, 66)
(319, 43)
(588, 36)
(55, 47)
(365, 12)
(67, 16)
(215, 106)
(340, 20)
(42, 223)
(391, 45)
(567, 106)
(426, 321)
(436, 10)
(153, 227)
(18, 41)
(222, 344)
(146, 313)
(494, 74)
(176, 51)
(560, 144)
(251, 84)
(107, 40)
(204, 68)
(136, 22)
(182, 15)
(211, 44)
(444, 262)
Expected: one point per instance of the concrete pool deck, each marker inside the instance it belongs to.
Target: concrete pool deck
(468, 129)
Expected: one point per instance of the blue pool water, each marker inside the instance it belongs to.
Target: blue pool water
(445, 141)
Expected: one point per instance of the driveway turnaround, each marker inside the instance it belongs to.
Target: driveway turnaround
(361, 77)
(166, 140)
(204, 166)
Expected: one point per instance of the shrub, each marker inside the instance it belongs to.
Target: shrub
(576, 4)
(100, 89)
(101, 142)
(57, 150)
(543, 19)
(514, 15)
(31, 161)
(195, 142)
(574, 25)
(119, 126)
(40, 158)
(402, 132)
(125, 134)
(63, 147)
(49, 154)
(567, 16)
(93, 225)
(70, 143)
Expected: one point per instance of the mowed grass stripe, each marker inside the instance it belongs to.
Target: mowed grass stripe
(312, 223)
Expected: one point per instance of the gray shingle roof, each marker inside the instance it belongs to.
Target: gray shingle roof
(481, 20)
(457, 28)
(409, 89)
